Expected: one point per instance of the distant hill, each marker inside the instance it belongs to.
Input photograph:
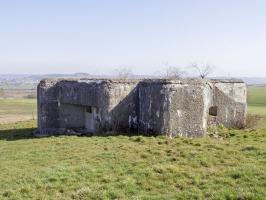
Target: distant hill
(254, 80)
(30, 81)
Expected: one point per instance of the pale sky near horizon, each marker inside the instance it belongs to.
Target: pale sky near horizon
(97, 36)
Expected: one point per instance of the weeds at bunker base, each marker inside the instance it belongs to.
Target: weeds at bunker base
(184, 107)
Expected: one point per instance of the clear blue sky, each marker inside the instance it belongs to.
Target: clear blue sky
(97, 36)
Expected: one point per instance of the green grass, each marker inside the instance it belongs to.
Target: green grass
(257, 100)
(257, 110)
(231, 164)
(17, 109)
(257, 95)
(17, 106)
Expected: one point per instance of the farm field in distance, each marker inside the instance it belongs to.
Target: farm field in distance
(17, 109)
(226, 164)
(257, 100)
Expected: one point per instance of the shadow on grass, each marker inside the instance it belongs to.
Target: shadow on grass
(28, 133)
(17, 134)
(20, 133)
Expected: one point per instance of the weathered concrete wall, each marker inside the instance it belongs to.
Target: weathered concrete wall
(171, 107)
(85, 95)
(48, 110)
(231, 102)
(188, 104)
(63, 104)
(123, 106)
(153, 107)
(71, 116)
(174, 107)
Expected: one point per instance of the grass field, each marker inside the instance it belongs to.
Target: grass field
(12, 110)
(231, 165)
(257, 100)
(226, 164)
(256, 110)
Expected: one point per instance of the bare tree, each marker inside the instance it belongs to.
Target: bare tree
(203, 70)
(174, 72)
(123, 72)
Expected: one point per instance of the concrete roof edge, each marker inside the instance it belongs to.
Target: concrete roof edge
(147, 80)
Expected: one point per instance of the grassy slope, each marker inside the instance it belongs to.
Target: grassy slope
(233, 166)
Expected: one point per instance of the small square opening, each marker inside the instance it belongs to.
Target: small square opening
(89, 109)
(213, 111)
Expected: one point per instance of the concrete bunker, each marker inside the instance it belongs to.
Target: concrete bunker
(184, 107)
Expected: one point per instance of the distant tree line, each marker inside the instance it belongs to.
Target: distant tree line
(171, 71)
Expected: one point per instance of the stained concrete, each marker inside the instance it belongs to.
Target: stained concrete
(185, 107)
